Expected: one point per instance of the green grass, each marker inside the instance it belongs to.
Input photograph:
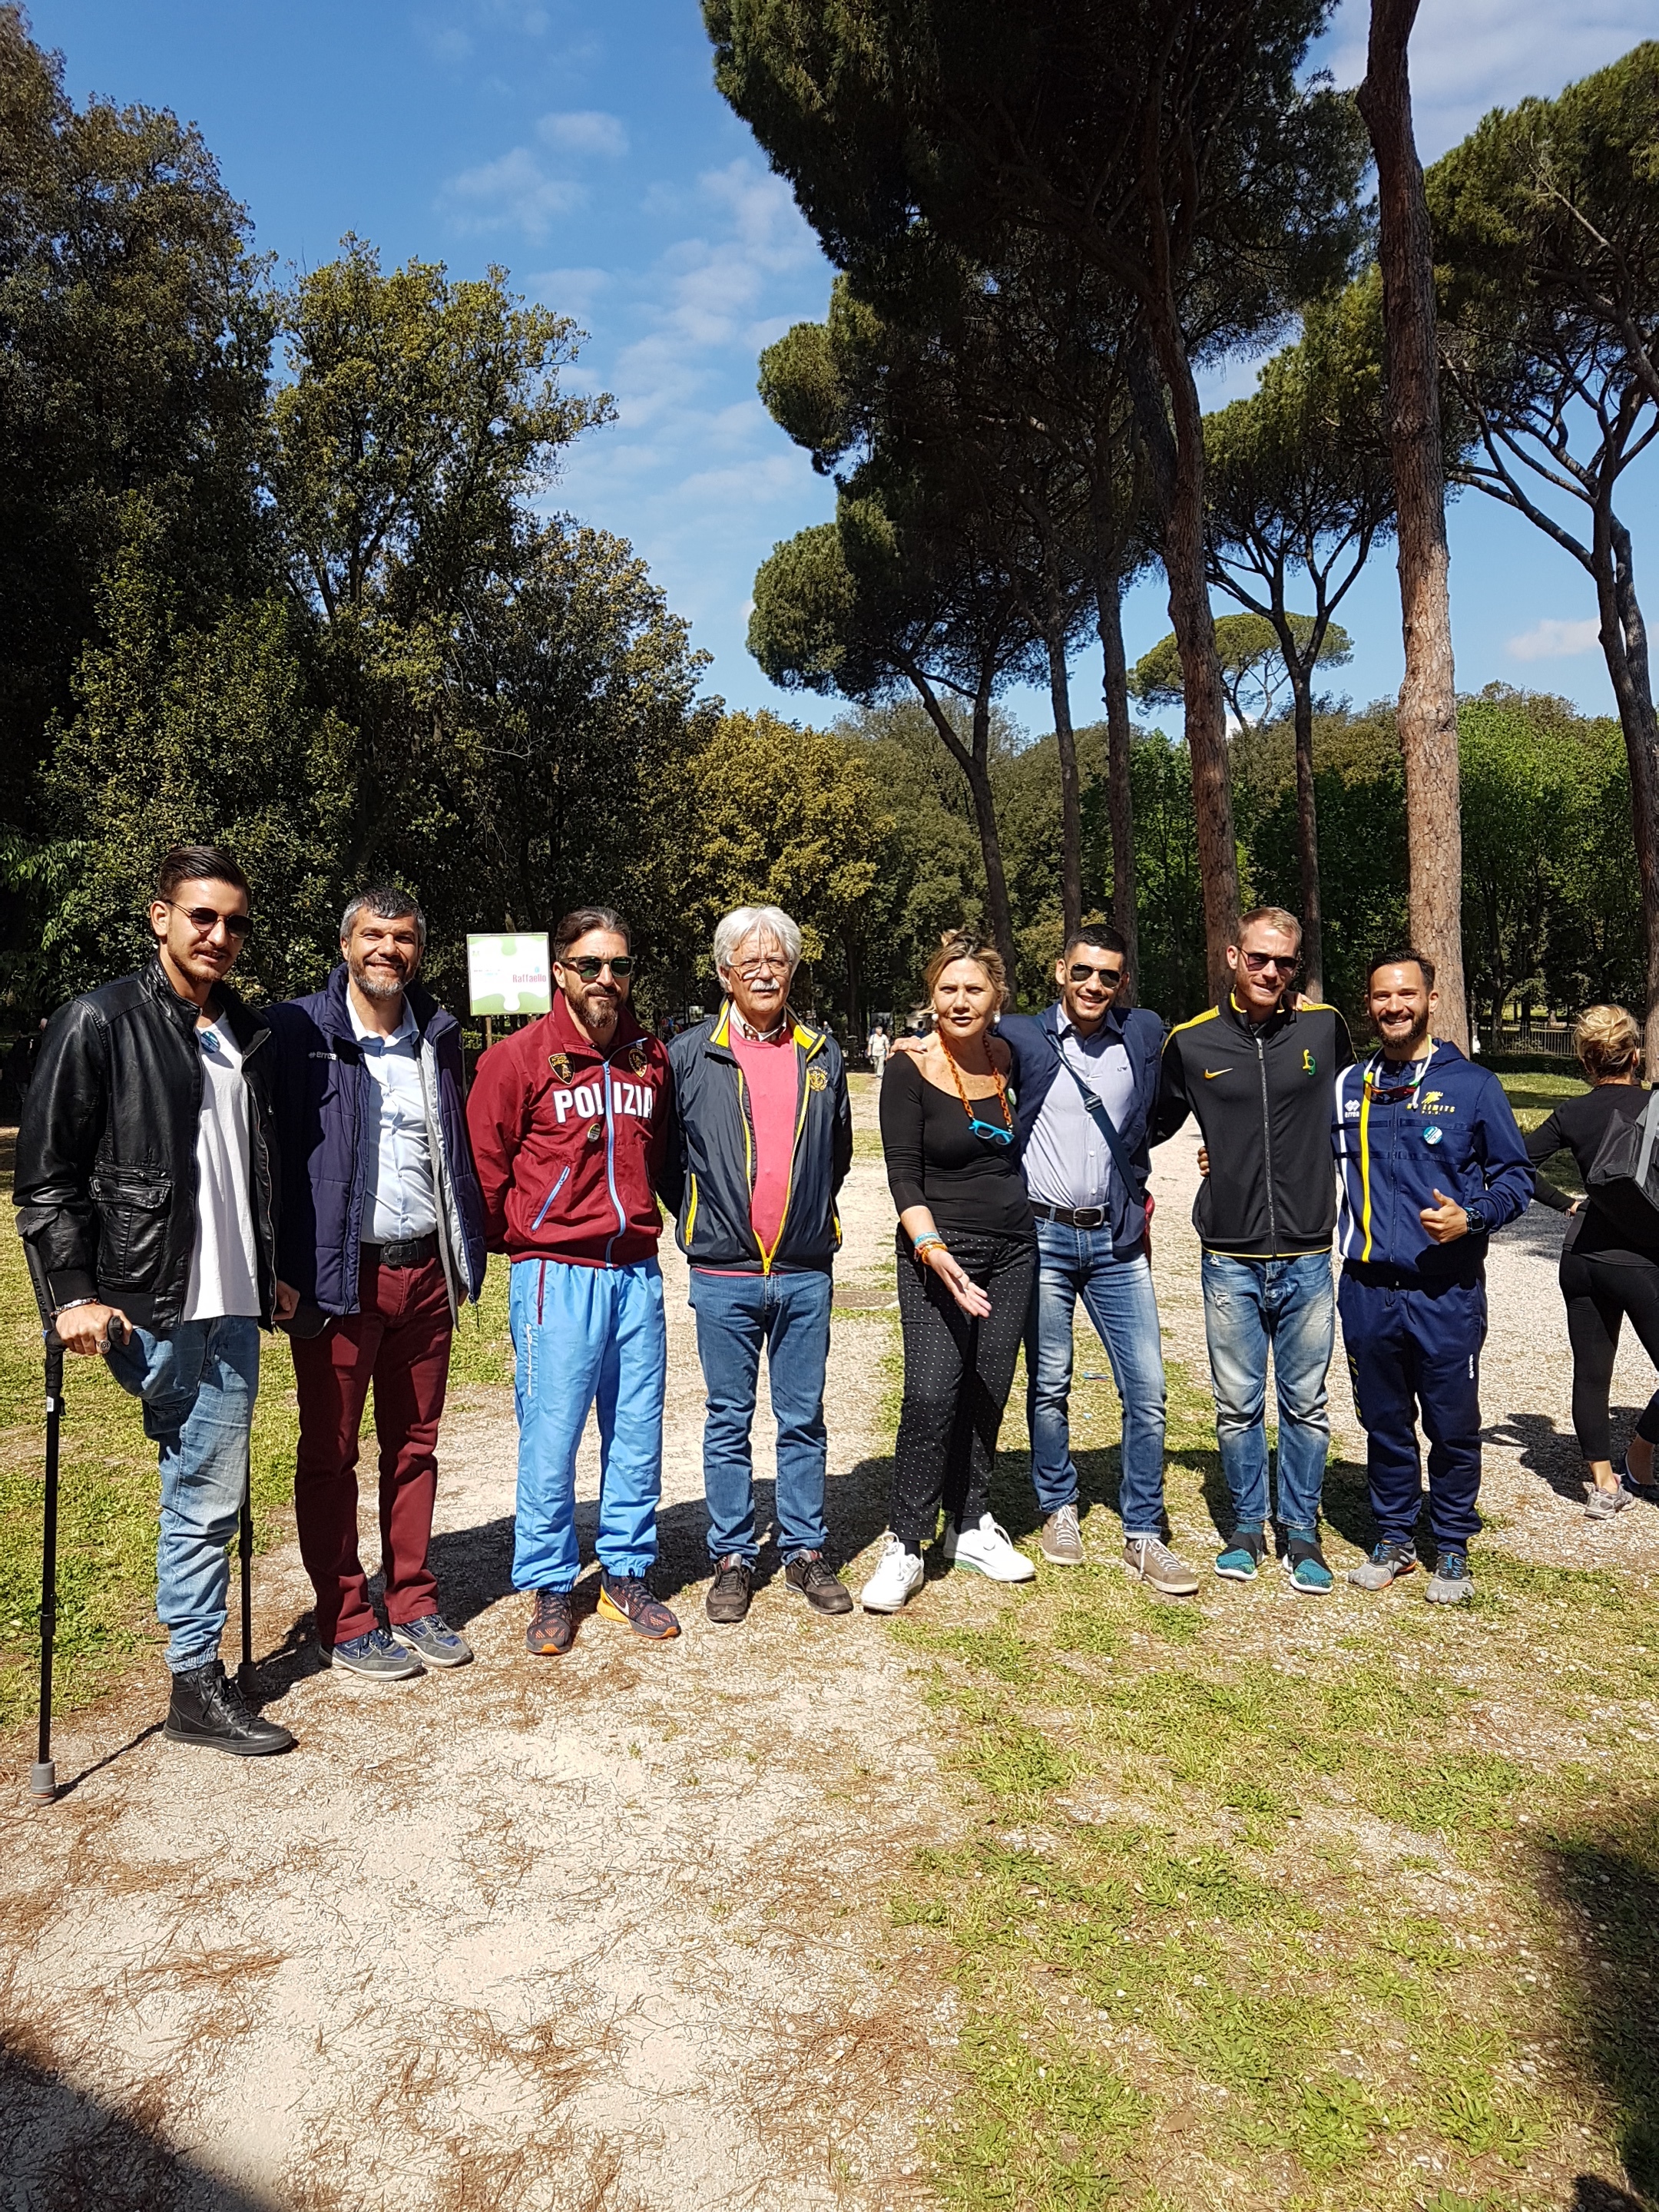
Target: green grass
(1535, 1094)
(108, 1491)
(1258, 1904)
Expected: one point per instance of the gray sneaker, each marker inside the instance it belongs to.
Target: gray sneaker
(433, 1641)
(1154, 1564)
(1387, 1563)
(374, 1654)
(1061, 1540)
(1451, 1583)
(1601, 1504)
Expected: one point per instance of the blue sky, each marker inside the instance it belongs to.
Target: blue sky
(585, 148)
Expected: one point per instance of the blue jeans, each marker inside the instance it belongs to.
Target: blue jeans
(788, 1314)
(586, 1337)
(197, 1387)
(1249, 1306)
(1118, 1297)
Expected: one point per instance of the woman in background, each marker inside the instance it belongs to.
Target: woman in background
(967, 1258)
(1606, 1270)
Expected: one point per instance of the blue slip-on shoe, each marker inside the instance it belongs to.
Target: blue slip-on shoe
(1246, 1550)
(1304, 1562)
(433, 1641)
(374, 1654)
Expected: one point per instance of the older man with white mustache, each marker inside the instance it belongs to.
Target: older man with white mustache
(765, 1139)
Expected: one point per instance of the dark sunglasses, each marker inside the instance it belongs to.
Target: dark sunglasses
(1281, 963)
(591, 970)
(1079, 972)
(205, 918)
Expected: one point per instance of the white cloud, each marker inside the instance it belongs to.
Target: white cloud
(447, 44)
(513, 193)
(1469, 55)
(586, 131)
(1553, 639)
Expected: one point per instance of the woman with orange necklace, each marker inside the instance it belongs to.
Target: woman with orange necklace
(967, 1258)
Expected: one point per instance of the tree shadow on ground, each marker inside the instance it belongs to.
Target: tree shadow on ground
(1599, 1882)
(62, 2150)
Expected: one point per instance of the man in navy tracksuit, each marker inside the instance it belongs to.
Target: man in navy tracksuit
(1431, 1162)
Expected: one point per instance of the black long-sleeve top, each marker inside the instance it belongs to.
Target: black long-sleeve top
(1578, 1126)
(969, 1183)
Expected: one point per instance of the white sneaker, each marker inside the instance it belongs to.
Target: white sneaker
(987, 1551)
(895, 1581)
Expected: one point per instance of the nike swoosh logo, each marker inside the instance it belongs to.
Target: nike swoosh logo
(1210, 1073)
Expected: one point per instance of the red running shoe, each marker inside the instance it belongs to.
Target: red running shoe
(552, 1629)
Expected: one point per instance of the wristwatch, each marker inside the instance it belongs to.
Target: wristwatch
(1478, 1224)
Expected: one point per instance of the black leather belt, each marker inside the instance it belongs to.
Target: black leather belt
(1072, 1217)
(413, 1252)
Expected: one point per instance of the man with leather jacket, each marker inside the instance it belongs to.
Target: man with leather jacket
(146, 1185)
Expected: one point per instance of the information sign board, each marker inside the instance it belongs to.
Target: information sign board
(509, 974)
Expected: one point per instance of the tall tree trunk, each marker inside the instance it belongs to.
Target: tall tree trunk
(856, 1031)
(1428, 696)
(975, 763)
(1625, 648)
(990, 837)
(1071, 799)
(1120, 808)
(1178, 470)
(1307, 835)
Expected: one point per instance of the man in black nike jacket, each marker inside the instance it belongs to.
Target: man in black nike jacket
(1256, 1072)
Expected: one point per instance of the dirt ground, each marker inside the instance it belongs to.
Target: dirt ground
(611, 1931)
(605, 1931)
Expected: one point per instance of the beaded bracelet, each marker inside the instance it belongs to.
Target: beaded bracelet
(919, 1245)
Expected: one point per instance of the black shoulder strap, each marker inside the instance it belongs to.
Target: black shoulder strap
(1103, 1121)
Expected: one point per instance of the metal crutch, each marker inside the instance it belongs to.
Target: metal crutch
(245, 1552)
(43, 1775)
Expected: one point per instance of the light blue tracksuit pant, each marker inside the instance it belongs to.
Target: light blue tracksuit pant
(586, 1337)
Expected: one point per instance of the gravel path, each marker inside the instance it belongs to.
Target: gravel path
(605, 1932)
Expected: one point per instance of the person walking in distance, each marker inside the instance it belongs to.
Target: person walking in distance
(146, 1189)
(1431, 1163)
(880, 1046)
(570, 1119)
(966, 1260)
(1255, 1072)
(764, 1139)
(381, 1239)
(1609, 1268)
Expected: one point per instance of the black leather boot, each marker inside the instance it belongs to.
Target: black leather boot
(209, 1708)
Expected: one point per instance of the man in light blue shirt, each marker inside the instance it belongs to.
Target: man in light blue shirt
(399, 1201)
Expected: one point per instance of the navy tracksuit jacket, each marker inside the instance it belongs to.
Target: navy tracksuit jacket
(1415, 1312)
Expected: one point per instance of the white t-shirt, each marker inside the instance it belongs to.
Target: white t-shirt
(224, 1270)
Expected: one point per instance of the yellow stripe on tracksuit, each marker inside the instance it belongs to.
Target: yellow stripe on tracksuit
(1365, 1166)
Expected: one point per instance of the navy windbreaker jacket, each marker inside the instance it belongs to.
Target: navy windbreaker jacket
(707, 1177)
(318, 1083)
(1396, 1144)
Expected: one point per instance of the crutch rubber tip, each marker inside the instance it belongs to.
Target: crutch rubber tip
(43, 1782)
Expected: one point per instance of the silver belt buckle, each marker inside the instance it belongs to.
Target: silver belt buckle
(1089, 1217)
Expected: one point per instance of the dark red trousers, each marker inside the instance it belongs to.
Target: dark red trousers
(400, 1340)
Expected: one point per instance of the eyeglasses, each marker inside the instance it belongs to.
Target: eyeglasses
(205, 918)
(991, 1131)
(591, 970)
(1282, 964)
(767, 964)
(1079, 972)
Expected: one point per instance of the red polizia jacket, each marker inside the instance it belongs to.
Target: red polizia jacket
(569, 1141)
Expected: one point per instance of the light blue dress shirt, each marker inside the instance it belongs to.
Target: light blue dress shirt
(1067, 1161)
(399, 1199)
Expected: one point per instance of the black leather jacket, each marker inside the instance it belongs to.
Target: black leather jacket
(105, 1177)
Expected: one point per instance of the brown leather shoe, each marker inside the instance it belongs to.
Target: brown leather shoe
(729, 1591)
(808, 1575)
(552, 1629)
